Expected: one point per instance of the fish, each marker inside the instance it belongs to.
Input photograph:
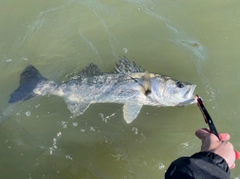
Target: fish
(127, 84)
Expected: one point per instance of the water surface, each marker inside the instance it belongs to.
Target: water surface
(195, 41)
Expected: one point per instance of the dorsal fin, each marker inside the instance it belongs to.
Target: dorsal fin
(127, 67)
(90, 70)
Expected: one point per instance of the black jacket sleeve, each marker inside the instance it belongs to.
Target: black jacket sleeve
(201, 165)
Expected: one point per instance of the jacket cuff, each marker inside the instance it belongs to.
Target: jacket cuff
(216, 159)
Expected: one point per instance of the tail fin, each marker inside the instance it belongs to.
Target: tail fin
(29, 80)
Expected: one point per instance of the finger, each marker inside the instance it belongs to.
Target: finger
(233, 166)
(202, 133)
(237, 155)
(206, 129)
(224, 136)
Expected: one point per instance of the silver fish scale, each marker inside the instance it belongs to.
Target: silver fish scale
(109, 87)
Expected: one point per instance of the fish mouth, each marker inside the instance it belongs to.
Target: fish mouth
(189, 93)
(189, 96)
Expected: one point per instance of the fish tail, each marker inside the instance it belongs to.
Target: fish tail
(29, 79)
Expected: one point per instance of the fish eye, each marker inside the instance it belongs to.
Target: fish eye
(180, 84)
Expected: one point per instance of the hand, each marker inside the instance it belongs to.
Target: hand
(223, 148)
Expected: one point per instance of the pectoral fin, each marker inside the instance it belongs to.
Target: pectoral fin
(77, 108)
(146, 80)
(131, 111)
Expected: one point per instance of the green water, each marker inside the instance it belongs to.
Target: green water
(194, 41)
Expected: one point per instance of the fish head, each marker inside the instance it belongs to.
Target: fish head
(170, 92)
(179, 93)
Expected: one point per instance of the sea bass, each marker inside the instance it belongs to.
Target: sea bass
(127, 83)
